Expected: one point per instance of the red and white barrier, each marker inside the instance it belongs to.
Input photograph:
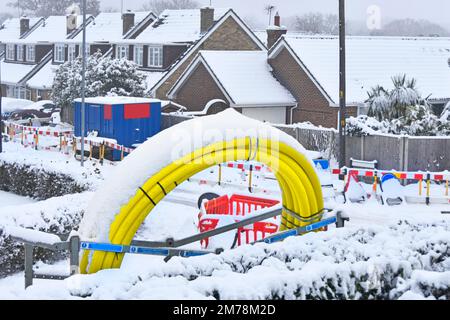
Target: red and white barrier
(244, 166)
(106, 143)
(35, 130)
(418, 175)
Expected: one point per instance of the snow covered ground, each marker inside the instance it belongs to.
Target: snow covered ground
(408, 244)
(399, 252)
(10, 199)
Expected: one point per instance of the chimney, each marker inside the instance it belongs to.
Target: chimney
(128, 21)
(275, 31)
(24, 25)
(71, 22)
(206, 19)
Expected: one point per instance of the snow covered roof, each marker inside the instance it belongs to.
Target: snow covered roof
(244, 76)
(108, 26)
(153, 77)
(177, 26)
(117, 100)
(43, 79)
(10, 29)
(53, 30)
(373, 61)
(12, 73)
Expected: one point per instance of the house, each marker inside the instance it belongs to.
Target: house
(237, 79)
(17, 28)
(198, 29)
(101, 32)
(308, 66)
(26, 56)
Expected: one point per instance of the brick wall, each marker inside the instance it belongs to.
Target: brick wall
(229, 36)
(199, 90)
(313, 105)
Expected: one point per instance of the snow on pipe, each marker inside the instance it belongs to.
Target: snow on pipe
(145, 177)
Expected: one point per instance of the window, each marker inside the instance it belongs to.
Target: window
(31, 53)
(20, 53)
(60, 53)
(155, 57)
(10, 52)
(139, 55)
(122, 52)
(71, 52)
(20, 93)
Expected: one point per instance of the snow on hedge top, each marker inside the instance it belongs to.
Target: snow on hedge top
(108, 26)
(160, 151)
(118, 100)
(176, 26)
(246, 77)
(10, 29)
(373, 61)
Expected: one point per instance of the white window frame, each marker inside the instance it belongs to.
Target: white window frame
(10, 51)
(71, 52)
(139, 55)
(60, 52)
(20, 52)
(30, 53)
(122, 52)
(155, 57)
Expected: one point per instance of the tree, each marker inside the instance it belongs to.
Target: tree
(412, 28)
(105, 76)
(45, 8)
(396, 103)
(317, 23)
(158, 6)
(4, 17)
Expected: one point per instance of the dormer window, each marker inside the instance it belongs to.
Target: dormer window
(60, 52)
(20, 53)
(10, 52)
(155, 57)
(122, 52)
(139, 55)
(31, 53)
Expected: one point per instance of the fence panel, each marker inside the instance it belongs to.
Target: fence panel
(432, 154)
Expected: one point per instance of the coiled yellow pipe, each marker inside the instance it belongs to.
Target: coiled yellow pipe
(300, 186)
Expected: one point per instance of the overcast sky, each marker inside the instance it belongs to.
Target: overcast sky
(434, 10)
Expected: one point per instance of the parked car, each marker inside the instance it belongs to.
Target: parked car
(40, 109)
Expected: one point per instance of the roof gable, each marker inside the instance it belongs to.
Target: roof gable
(243, 76)
(230, 14)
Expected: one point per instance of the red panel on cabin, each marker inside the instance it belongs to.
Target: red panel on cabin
(137, 111)
(107, 112)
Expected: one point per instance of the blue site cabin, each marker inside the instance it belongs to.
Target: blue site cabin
(127, 120)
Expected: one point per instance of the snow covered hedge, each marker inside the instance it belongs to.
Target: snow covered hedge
(57, 215)
(403, 261)
(31, 181)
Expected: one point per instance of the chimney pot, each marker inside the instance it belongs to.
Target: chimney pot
(24, 25)
(275, 32)
(206, 19)
(128, 21)
(277, 20)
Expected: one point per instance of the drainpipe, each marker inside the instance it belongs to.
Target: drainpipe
(292, 113)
